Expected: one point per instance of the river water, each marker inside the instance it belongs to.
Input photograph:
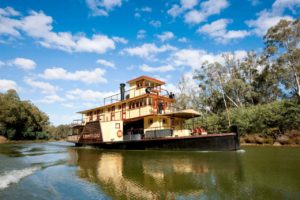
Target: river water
(60, 171)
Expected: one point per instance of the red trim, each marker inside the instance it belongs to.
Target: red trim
(146, 78)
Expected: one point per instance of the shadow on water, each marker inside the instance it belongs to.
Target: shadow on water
(160, 175)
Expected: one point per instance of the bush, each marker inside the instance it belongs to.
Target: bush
(273, 119)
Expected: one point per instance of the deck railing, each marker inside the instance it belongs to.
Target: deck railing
(77, 122)
(135, 91)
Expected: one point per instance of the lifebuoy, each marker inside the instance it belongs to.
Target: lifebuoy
(119, 133)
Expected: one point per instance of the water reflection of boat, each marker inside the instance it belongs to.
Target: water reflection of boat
(144, 117)
(149, 175)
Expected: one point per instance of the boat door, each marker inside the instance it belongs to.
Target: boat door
(123, 111)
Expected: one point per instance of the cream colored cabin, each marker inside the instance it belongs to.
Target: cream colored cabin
(145, 111)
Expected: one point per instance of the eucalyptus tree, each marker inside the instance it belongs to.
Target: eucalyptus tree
(282, 43)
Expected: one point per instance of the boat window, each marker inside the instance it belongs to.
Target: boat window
(150, 121)
(137, 103)
(164, 121)
(139, 84)
(147, 83)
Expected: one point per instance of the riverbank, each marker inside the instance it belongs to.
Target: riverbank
(4, 140)
(289, 139)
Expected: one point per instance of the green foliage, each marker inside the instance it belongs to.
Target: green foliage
(268, 119)
(21, 119)
(59, 132)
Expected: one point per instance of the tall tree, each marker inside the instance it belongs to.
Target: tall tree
(282, 46)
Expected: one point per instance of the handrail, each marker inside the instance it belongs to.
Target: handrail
(77, 122)
(117, 97)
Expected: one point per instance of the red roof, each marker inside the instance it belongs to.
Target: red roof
(146, 78)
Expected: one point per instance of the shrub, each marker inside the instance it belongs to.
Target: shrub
(273, 119)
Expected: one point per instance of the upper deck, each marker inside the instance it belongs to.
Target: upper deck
(145, 96)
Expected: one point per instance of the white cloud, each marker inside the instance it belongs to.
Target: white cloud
(239, 54)
(89, 77)
(280, 5)
(165, 36)
(264, 21)
(190, 57)
(9, 11)
(23, 63)
(207, 8)
(194, 17)
(2, 63)
(88, 95)
(195, 58)
(146, 9)
(164, 68)
(212, 7)
(45, 87)
(148, 50)
(188, 4)
(254, 2)
(268, 18)
(51, 99)
(190, 83)
(8, 25)
(217, 30)
(183, 40)
(165, 78)
(102, 7)
(141, 34)
(98, 44)
(155, 23)
(7, 84)
(120, 40)
(175, 10)
(105, 63)
(39, 26)
(137, 15)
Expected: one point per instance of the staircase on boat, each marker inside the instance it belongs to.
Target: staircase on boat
(91, 133)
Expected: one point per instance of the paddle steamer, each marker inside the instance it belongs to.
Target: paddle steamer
(144, 117)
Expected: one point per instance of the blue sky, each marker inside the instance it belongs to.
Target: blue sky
(65, 56)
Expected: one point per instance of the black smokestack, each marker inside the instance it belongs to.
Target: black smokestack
(122, 91)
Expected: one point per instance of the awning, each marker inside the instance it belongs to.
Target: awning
(186, 114)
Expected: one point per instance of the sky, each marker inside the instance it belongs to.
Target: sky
(66, 56)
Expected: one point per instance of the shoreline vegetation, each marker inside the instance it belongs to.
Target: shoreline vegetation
(259, 93)
(22, 120)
